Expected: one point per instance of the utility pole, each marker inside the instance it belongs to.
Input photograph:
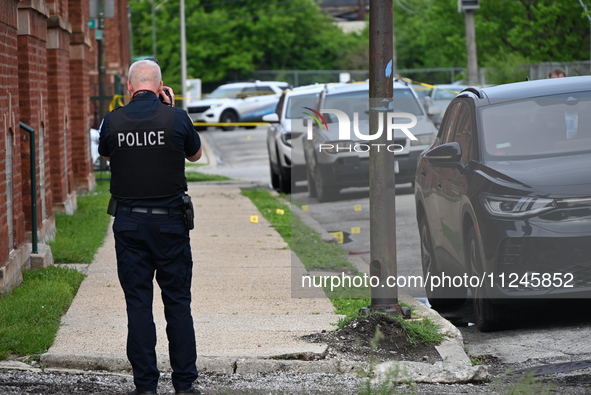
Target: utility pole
(468, 7)
(382, 192)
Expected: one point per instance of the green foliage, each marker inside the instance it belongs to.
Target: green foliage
(431, 33)
(80, 235)
(507, 68)
(227, 39)
(31, 314)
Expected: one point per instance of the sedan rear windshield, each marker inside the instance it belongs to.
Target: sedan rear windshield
(549, 126)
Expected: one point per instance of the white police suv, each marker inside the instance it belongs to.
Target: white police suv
(237, 102)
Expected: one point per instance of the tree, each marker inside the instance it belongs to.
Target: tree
(239, 36)
(430, 33)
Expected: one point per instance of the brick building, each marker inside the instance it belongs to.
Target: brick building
(48, 81)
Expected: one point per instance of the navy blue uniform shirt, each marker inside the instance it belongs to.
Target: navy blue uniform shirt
(185, 138)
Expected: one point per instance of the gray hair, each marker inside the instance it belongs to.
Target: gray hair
(144, 72)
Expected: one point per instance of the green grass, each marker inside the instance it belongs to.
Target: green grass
(31, 314)
(195, 176)
(80, 235)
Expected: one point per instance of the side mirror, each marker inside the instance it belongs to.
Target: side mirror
(446, 155)
(271, 118)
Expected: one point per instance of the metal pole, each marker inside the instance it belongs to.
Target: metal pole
(183, 56)
(471, 47)
(382, 192)
(102, 77)
(33, 163)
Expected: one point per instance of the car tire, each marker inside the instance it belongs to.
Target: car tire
(324, 192)
(488, 316)
(285, 184)
(275, 177)
(310, 178)
(228, 116)
(440, 298)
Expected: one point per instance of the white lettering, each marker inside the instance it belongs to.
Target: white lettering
(345, 125)
(391, 125)
(141, 139)
(151, 139)
(369, 137)
(359, 147)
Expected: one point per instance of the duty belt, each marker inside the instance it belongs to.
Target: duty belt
(151, 210)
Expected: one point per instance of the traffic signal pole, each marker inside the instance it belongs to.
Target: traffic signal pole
(381, 166)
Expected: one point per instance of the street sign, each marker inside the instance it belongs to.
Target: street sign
(92, 23)
(107, 7)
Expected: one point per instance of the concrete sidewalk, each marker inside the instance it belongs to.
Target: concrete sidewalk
(242, 304)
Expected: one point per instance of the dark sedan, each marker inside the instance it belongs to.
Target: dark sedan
(503, 198)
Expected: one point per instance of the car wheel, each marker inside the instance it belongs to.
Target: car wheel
(324, 192)
(311, 183)
(440, 298)
(228, 116)
(275, 177)
(285, 180)
(488, 316)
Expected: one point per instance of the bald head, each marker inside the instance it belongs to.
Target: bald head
(144, 75)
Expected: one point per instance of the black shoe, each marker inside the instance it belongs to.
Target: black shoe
(136, 392)
(190, 391)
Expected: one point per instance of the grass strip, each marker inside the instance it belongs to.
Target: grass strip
(195, 176)
(81, 234)
(31, 313)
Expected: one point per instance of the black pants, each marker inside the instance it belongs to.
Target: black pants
(148, 244)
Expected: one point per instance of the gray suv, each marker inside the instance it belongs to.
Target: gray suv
(333, 163)
(286, 134)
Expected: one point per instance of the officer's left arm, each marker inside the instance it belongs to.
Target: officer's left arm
(197, 156)
(193, 146)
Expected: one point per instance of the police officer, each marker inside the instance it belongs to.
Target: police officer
(147, 142)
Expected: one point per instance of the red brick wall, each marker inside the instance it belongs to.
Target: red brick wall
(59, 120)
(32, 75)
(9, 118)
(48, 70)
